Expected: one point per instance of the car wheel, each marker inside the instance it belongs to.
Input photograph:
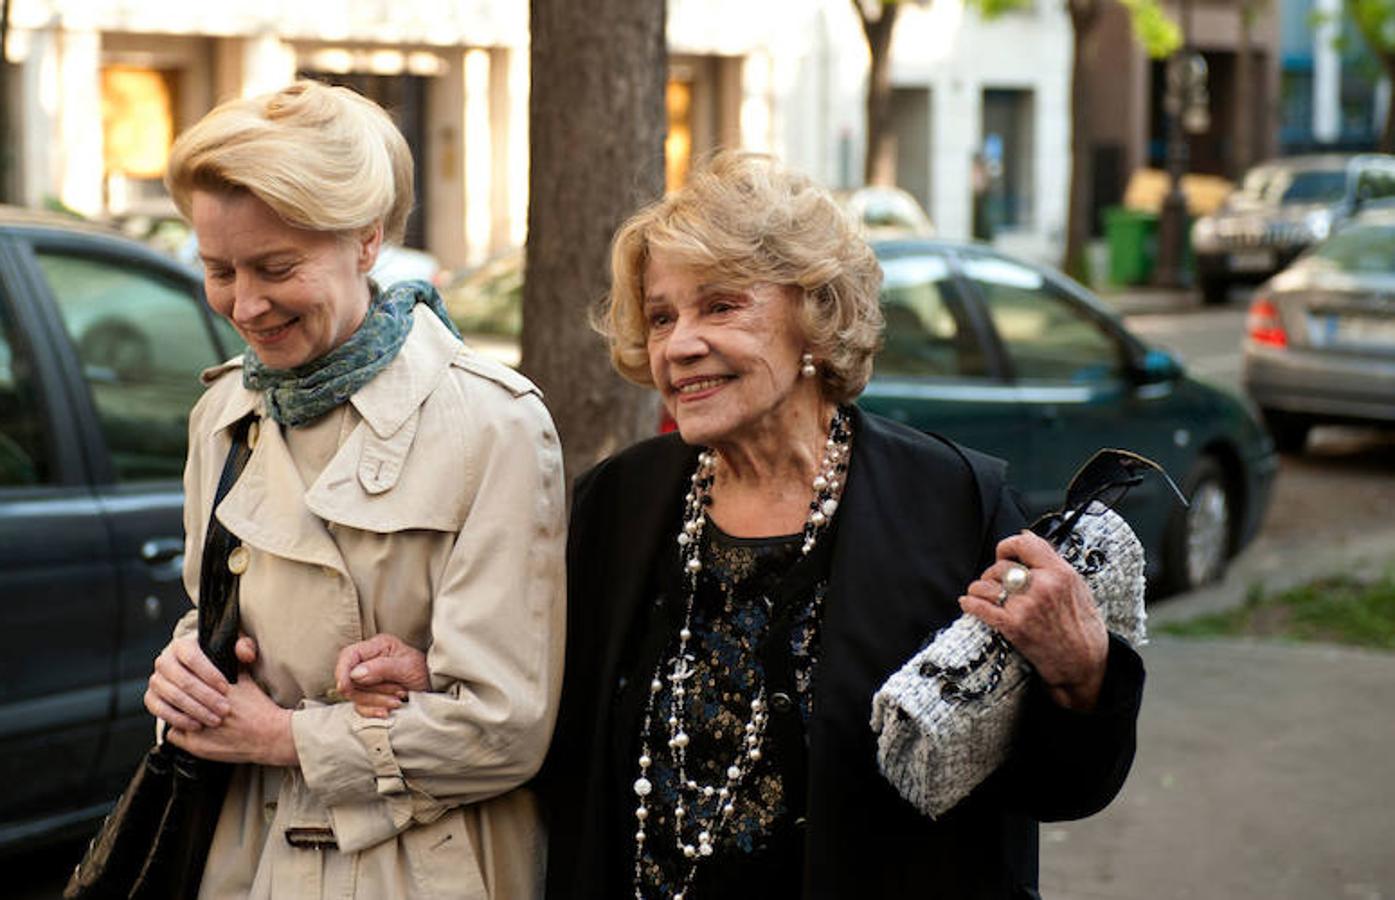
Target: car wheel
(1214, 291)
(1290, 432)
(1197, 546)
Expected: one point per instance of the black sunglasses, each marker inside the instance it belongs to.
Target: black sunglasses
(1105, 478)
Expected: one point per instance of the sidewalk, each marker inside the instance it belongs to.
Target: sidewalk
(1264, 769)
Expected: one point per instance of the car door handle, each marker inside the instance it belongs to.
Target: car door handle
(162, 550)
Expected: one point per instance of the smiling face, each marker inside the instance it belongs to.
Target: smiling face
(726, 362)
(293, 294)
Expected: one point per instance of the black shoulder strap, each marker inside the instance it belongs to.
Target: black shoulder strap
(218, 613)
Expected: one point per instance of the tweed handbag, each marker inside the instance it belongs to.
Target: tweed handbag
(945, 720)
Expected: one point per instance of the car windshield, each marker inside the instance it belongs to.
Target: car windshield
(1367, 249)
(1276, 185)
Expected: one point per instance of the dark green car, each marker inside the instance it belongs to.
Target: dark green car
(1019, 361)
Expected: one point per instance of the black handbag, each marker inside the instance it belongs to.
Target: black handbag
(155, 841)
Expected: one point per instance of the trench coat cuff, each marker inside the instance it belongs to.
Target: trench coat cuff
(347, 761)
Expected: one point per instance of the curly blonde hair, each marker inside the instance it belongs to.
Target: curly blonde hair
(743, 219)
(323, 158)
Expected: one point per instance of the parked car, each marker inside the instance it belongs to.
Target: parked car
(1021, 362)
(1320, 341)
(887, 212)
(1281, 208)
(101, 342)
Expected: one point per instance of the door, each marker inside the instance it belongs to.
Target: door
(140, 335)
(58, 583)
(934, 371)
(1069, 371)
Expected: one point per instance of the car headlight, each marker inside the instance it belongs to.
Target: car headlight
(1204, 232)
(1318, 223)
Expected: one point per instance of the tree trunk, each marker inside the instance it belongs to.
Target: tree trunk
(7, 154)
(1244, 120)
(597, 122)
(1084, 16)
(880, 165)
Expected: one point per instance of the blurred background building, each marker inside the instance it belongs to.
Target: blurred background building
(99, 88)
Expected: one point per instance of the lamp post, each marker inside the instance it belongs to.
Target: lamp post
(1186, 106)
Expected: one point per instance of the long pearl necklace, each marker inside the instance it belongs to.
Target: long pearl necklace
(703, 811)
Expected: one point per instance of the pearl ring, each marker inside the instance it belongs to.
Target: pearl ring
(1015, 580)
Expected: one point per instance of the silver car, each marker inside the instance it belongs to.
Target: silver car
(1320, 342)
(1282, 208)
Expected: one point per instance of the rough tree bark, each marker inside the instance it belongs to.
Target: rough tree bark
(880, 165)
(1084, 16)
(597, 123)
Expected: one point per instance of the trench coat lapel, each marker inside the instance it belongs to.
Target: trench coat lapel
(271, 509)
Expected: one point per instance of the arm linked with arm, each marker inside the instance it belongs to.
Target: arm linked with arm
(495, 657)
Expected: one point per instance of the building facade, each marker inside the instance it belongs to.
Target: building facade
(102, 87)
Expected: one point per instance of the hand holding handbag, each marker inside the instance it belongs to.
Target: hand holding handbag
(945, 719)
(155, 841)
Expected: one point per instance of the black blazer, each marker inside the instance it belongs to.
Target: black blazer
(919, 519)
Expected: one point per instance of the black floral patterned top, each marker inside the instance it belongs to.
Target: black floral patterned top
(760, 850)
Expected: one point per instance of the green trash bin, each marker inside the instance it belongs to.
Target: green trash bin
(1132, 237)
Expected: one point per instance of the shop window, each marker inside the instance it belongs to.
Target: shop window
(678, 144)
(137, 131)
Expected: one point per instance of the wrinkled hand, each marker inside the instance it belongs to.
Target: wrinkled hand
(213, 719)
(376, 675)
(186, 690)
(1054, 623)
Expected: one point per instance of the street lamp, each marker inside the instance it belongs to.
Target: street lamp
(1187, 108)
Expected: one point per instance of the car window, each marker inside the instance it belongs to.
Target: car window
(142, 342)
(23, 438)
(1047, 336)
(1280, 184)
(1363, 248)
(1376, 183)
(926, 330)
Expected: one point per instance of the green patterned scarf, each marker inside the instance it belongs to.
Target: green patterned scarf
(299, 396)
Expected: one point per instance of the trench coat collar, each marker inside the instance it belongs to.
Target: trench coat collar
(386, 402)
(291, 523)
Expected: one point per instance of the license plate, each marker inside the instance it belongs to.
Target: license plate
(1251, 261)
(1366, 331)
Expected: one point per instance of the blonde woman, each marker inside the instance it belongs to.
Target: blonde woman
(398, 485)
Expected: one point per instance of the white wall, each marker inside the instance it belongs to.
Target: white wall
(957, 55)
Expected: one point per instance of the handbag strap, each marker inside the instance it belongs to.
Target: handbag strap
(218, 607)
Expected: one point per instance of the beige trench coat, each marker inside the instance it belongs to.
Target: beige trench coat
(439, 519)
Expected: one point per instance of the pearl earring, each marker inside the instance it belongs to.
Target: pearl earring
(806, 368)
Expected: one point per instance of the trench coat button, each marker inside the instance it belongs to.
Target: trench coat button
(781, 702)
(237, 560)
(254, 432)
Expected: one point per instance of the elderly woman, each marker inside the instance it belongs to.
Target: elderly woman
(739, 591)
(398, 485)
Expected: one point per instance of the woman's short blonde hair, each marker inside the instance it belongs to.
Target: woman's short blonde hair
(743, 219)
(323, 158)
